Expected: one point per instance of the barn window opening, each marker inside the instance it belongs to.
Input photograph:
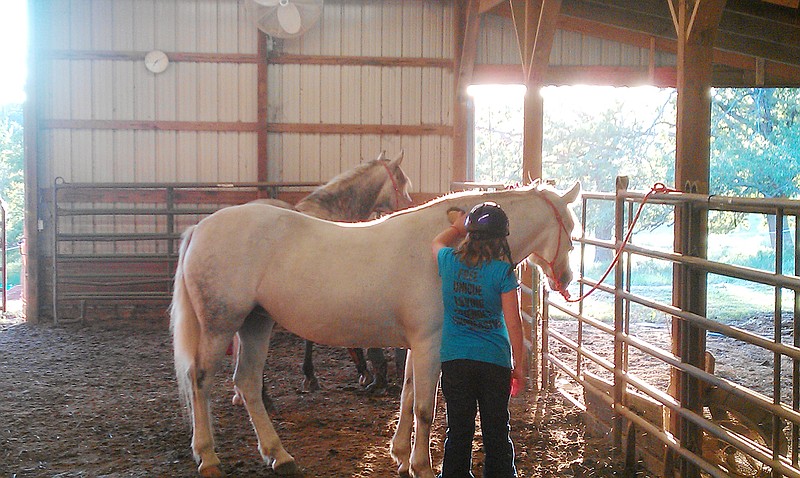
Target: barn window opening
(13, 50)
(591, 134)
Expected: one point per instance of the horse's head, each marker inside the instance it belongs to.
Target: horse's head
(545, 232)
(553, 252)
(393, 195)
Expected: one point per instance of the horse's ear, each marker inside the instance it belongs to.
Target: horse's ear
(382, 156)
(572, 195)
(397, 160)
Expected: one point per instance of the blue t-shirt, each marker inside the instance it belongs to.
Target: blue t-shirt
(474, 327)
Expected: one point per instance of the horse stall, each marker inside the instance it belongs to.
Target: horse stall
(680, 390)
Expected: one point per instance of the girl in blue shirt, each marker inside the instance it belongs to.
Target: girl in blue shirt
(482, 346)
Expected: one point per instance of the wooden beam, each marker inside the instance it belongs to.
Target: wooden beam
(697, 23)
(785, 3)
(469, 48)
(486, 5)
(195, 57)
(376, 129)
(243, 127)
(535, 25)
(387, 61)
(466, 23)
(545, 29)
(519, 15)
(233, 126)
(31, 273)
(262, 116)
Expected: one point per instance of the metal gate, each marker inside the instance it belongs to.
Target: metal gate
(116, 244)
(624, 354)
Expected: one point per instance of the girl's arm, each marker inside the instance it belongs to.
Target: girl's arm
(449, 235)
(514, 325)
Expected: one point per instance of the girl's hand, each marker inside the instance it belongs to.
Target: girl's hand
(457, 216)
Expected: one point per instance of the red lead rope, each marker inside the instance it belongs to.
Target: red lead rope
(656, 189)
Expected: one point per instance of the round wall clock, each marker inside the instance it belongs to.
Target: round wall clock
(156, 61)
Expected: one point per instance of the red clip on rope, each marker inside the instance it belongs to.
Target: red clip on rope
(657, 188)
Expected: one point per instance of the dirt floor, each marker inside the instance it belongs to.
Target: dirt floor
(99, 398)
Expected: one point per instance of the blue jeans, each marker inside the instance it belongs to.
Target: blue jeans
(469, 386)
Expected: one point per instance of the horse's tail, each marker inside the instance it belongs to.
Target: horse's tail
(184, 325)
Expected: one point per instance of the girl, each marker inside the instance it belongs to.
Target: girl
(481, 340)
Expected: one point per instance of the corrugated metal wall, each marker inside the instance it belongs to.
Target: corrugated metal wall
(79, 84)
(366, 94)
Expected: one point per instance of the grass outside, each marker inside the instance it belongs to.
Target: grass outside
(728, 302)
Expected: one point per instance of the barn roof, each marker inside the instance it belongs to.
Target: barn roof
(757, 43)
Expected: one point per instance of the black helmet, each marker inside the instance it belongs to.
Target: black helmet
(487, 221)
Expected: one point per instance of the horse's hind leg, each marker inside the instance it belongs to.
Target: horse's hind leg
(254, 338)
(310, 382)
(211, 349)
(400, 447)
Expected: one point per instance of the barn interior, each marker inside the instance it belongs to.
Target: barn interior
(143, 116)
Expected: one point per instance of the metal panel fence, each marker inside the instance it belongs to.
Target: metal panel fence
(118, 243)
(621, 353)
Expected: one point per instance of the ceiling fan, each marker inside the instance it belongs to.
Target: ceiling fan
(284, 18)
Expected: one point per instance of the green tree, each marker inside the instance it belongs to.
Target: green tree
(12, 191)
(755, 147)
(755, 142)
(624, 139)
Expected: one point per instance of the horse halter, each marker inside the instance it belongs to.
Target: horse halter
(394, 185)
(551, 264)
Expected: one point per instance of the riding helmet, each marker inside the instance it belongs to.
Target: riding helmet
(487, 221)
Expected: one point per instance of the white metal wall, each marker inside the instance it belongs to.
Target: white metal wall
(369, 95)
(77, 85)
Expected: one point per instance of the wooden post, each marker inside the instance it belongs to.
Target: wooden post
(30, 274)
(535, 22)
(466, 16)
(695, 23)
(263, 104)
(618, 391)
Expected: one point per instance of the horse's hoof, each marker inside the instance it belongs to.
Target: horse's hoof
(364, 379)
(237, 399)
(289, 468)
(211, 472)
(310, 385)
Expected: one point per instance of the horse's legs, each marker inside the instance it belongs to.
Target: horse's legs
(237, 396)
(426, 377)
(210, 350)
(254, 338)
(310, 382)
(400, 448)
(357, 356)
(379, 371)
(400, 362)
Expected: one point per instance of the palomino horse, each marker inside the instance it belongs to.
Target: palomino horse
(370, 284)
(378, 186)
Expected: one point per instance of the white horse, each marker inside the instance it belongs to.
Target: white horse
(372, 284)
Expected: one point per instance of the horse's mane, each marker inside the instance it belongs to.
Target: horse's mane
(344, 179)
